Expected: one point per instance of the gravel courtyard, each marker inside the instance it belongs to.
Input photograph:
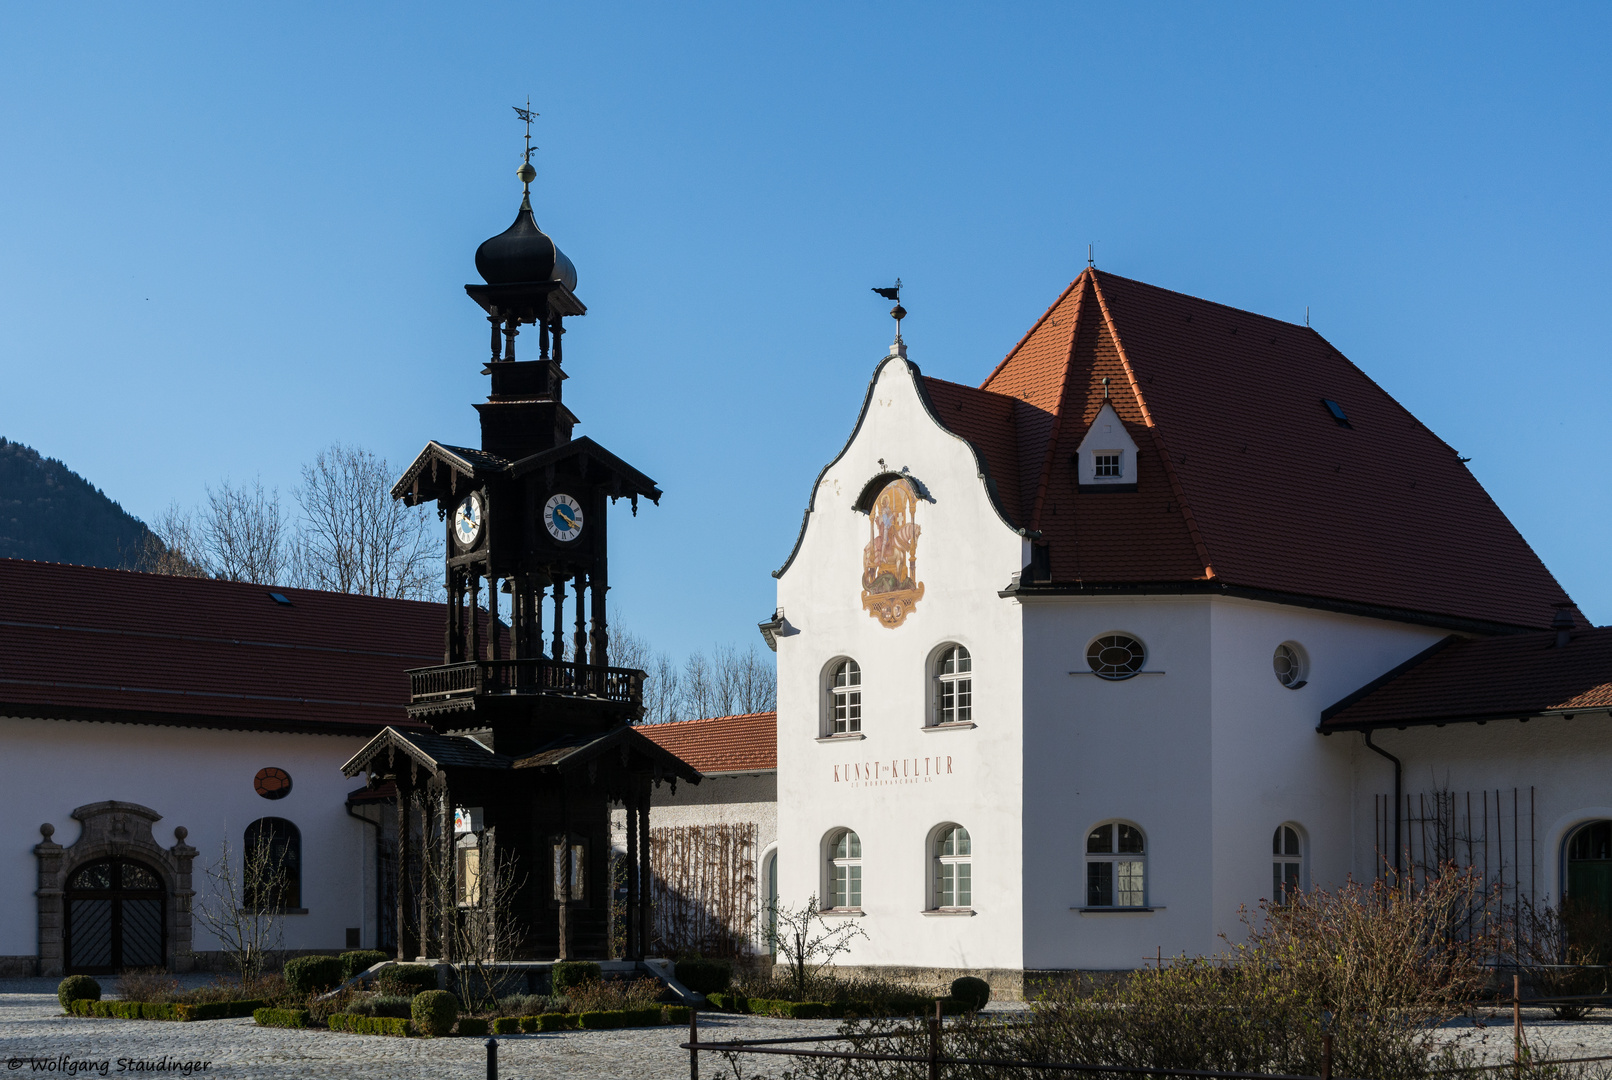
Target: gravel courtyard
(35, 1038)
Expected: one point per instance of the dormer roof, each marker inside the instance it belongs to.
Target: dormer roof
(1245, 479)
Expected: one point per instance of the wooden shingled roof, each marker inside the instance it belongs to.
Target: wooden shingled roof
(1245, 481)
(80, 642)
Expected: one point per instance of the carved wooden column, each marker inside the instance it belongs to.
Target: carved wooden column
(565, 872)
(447, 896)
(630, 804)
(422, 814)
(646, 891)
(559, 618)
(579, 637)
(402, 870)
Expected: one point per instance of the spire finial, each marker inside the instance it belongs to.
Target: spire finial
(897, 347)
(526, 173)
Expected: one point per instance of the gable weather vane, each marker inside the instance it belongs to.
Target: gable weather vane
(898, 312)
(526, 173)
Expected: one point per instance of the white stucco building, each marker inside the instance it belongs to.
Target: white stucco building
(1090, 615)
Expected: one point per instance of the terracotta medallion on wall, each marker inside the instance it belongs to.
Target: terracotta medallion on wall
(890, 585)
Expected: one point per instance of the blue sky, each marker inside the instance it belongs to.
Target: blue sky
(230, 234)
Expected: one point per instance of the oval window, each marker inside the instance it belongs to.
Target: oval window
(1292, 668)
(1115, 656)
(272, 783)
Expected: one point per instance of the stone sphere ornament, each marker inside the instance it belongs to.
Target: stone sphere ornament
(272, 783)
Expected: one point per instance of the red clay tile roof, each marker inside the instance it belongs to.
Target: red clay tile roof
(79, 642)
(718, 744)
(1244, 480)
(1518, 675)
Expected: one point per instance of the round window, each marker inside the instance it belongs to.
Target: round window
(272, 783)
(1291, 667)
(1115, 656)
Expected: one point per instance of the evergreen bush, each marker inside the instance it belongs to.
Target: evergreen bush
(569, 973)
(312, 974)
(505, 1025)
(281, 1018)
(77, 988)
(599, 1020)
(972, 991)
(360, 960)
(471, 1025)
(406, 980)
(704, 976)
(435, 1012)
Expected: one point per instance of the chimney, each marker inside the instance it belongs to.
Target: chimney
(1563, 625)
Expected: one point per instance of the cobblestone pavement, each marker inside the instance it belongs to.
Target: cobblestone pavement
(33, 1031)
(32, 1027)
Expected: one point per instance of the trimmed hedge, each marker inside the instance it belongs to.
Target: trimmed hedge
(77, 988)
(599, 1020)
(434, 1012)
(676, 1014)
(972, 991)
(281, 1018)
(312, 974)
(704, 976)
(406, 980)
(506, 1025)
(569, 973)
(360, 960)
(368, 1025)
(470, 1025)
(163, 1010)
(731, 1001)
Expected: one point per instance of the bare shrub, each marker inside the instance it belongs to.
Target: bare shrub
(149, 984)
(251, 933)
(607, 994)
(1561, 951)
(807, 943)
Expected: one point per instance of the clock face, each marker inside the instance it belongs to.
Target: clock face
(563, 516)
(467, 520)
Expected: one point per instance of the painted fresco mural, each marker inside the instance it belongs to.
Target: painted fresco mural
(890, 585)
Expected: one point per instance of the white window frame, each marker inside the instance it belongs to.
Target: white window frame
(1097, 466)
(842, 705)
(952, 870)
(954, 687)
(467, 869)
(1296, 662)
(1289, 867)
(846, 869)
(1127, 873)
(1097, 642)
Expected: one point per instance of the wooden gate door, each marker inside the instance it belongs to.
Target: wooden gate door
(115, 918)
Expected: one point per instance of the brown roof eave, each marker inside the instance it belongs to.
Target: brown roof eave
(1401, 723)
(90, 714)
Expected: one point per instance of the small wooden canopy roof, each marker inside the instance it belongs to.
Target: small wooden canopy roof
(438, 753)
(440, 469)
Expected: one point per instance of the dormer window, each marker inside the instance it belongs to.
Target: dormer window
(1106, 460)
(1106, 465)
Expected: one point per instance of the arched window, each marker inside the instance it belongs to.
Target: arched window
(845, 870)
(1287, 864)
(271, 863)
(845, 698)
(1116, 866)
(1589, 868)
(769, 903)
(954, 686)
(1291, 665)
(953, 868)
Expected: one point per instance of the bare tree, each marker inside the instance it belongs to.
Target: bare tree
(487, 931)
(807, 943)
(243, 912)
(353, 537)
(173, 546)
(243, 534)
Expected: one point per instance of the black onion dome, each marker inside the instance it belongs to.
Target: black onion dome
(523, 252)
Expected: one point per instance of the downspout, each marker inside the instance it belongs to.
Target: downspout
(1399, 770)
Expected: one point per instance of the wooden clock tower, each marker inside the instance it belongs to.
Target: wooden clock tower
(530, 740)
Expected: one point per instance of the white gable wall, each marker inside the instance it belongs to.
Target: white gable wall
(965, 554)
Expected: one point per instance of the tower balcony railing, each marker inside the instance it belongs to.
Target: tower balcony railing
(536, 675)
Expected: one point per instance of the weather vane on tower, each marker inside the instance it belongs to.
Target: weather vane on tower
(897, 313)
(526, 173)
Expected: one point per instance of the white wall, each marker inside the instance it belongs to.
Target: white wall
(1567, 763)
(965, 554)
(200, 779)
(1207, 758)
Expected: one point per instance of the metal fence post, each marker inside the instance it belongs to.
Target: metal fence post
(1326, 1056)
(693, 1043)
(492, 1059)
(1516, 1024)
(934, 1044)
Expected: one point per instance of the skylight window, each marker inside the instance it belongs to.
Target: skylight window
(1337, 412)
(280, 598)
